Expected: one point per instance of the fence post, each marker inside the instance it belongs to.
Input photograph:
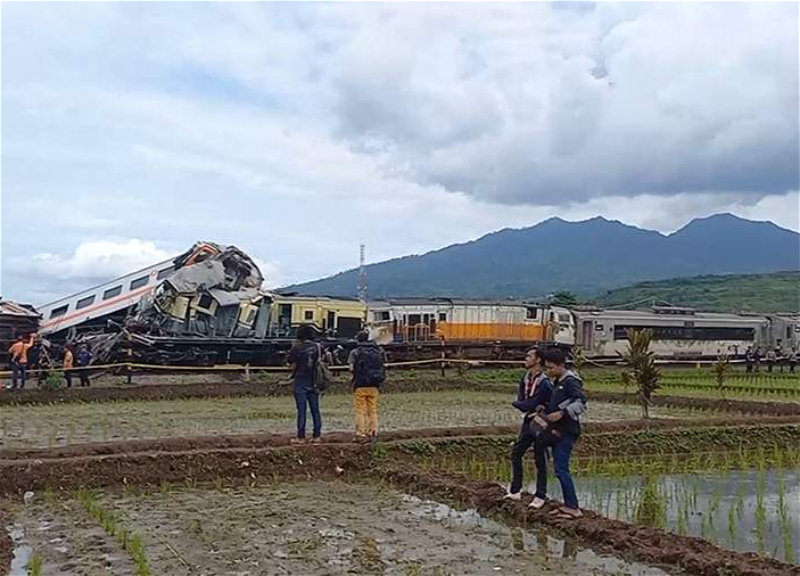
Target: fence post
(247, 372)
(442, 363)
(129, 374)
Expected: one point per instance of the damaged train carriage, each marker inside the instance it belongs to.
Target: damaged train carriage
(218, 296)
(211, 309)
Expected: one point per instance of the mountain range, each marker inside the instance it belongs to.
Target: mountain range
(586, 258)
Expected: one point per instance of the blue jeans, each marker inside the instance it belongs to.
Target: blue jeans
(310, 397)
(562, 450)
(521, 446)
(18, 372)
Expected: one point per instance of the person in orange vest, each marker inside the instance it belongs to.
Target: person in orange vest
(19, 361)
(69, 363)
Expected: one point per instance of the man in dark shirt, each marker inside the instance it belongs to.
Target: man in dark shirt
(533, 395)
(563, 411)
(303, 357)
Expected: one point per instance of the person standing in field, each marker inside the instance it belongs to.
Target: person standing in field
(567, 403)
(69, 363)
(771, 358)
(303, 357)
(18, 353)
(535, 390)
(792, 359)
(83, 359)
(757, 359)
(367, 363)
(748, 361)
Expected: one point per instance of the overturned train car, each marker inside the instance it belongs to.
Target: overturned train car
(204, 307)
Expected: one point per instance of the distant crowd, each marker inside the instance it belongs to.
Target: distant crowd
(773, 357)
(29, 353)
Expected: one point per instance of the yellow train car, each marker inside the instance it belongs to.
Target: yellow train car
(338, 317)
(420, 320)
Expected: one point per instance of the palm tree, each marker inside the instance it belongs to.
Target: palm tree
(641, 367)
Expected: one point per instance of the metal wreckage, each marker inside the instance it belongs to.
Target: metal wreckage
(210, 310)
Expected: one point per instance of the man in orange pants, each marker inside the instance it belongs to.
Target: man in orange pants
(367, 362)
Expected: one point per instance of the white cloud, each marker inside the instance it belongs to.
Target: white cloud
(97, 259)
(300, 130)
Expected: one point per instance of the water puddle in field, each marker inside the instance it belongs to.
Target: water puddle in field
(530, 540)
(22, 552)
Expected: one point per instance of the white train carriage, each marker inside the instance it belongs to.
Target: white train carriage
(677, 332)
(103, 300)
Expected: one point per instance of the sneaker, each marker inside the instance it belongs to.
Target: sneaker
(297, 441)
(537, 503)
(316, 440)
(513, 496)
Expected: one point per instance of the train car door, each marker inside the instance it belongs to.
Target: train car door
(331, 321)
(587, 334)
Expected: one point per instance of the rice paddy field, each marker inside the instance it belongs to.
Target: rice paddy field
(203, 480)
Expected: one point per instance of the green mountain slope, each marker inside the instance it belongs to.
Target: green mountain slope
(778, 292)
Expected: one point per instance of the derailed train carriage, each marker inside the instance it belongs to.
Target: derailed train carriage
(204, 307)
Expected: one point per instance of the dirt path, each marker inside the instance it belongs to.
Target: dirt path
(258, 441)
(741, 406)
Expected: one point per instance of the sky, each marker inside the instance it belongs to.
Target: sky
(298, 131)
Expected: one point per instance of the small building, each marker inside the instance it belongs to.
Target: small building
(15, 320)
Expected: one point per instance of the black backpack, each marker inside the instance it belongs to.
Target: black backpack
(369, 369)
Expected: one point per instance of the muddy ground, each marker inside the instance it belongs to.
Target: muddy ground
(596, 434)
(39, 426)
(314, 529)
(5, 539)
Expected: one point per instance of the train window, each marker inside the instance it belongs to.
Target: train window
(690, 333)
(442, 316)
(308, 315)
(564, 318)
(788, 332)
(111, 292)
(205, 302)
(139, 282)
(84, 302)
(531, 313)
(414, 319)
(251, 316)
(165, 272)
(60, 311)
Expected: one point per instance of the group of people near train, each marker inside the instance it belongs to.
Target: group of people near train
(773, 357)
(550, 398)
(29, 353)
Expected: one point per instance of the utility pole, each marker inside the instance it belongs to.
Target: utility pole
(362, 279)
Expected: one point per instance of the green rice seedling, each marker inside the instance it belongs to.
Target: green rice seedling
(35, 566)
(650, 509)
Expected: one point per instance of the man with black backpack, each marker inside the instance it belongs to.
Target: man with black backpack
(367, 362)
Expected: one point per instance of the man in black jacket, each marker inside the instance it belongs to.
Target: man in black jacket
(566, 405)
(533, 395)
(367, 363)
